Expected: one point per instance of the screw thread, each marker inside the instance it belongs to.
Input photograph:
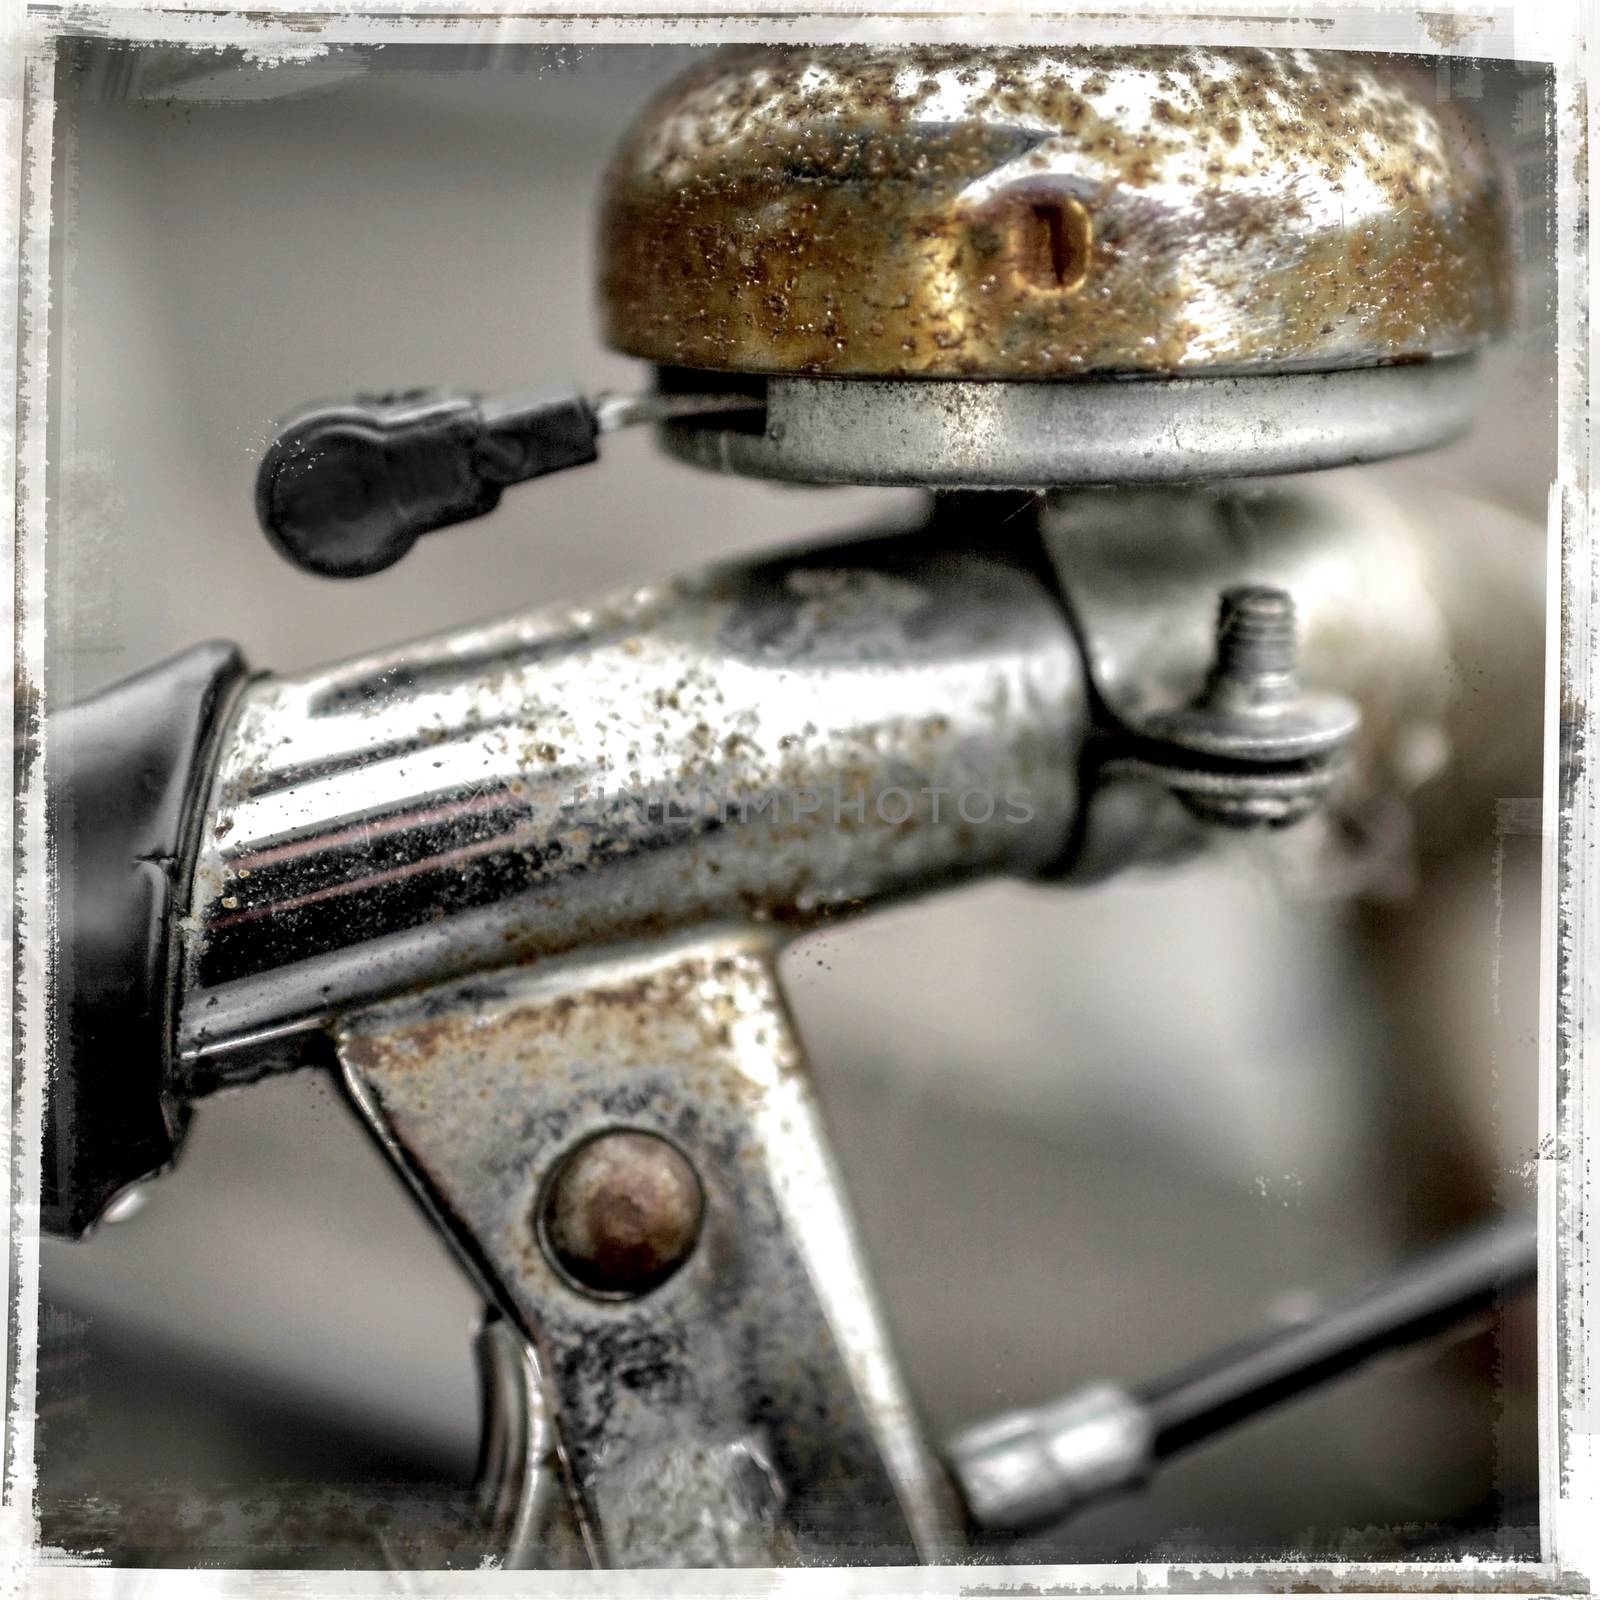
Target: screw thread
(1255, 632)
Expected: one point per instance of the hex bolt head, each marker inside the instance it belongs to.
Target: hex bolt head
(620, 1213)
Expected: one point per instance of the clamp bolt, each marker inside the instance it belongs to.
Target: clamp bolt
(1253, 748)
(1253, 708)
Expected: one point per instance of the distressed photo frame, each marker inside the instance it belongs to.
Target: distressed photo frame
(40, 45)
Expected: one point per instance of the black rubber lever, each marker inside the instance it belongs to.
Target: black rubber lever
(347, 489)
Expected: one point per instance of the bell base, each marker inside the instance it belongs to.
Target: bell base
(959, 434)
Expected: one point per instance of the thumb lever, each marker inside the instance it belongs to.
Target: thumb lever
(347, 488)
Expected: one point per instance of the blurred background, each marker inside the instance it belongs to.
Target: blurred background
(1087, 1134)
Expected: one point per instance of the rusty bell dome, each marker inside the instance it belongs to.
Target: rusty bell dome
(1049, 213)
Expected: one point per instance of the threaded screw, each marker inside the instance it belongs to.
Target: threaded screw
(1255, 633)
(1253, 712)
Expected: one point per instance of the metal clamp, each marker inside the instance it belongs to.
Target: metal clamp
(1253, 748)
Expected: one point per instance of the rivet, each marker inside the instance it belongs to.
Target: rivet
(621, 1213)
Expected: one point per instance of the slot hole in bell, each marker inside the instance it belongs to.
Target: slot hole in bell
(1057, 241)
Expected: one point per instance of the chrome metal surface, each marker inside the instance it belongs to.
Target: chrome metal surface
(772, 743)
(522, 1493)
(1045, 435)
(1144, 568)
(1370, 577)
(613, 412)
(1392, 580)
(1031, 1467)
(979, 212)
(747, 1411)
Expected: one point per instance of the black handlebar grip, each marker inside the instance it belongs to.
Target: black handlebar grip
(128, 769)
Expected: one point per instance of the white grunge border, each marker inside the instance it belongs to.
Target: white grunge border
(1559, 32)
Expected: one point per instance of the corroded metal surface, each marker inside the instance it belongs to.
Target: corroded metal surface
(747, 1411)
(1046, 213)
(773, 743)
